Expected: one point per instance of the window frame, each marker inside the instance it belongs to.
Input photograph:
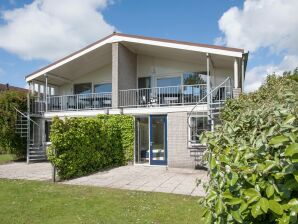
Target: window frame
(189, 138)
(47, 130)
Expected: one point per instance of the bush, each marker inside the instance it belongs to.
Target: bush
(10, 142)
(84, 145)
(253, 157)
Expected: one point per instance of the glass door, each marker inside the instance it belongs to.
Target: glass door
(158, 140)
(142, 140)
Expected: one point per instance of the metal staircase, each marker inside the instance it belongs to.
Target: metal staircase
(26, 128)
(215, 101)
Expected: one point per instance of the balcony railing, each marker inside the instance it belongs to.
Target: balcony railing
(162, 96)
(80, 102)
(147, 97)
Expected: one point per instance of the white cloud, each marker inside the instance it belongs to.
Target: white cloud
(256, 76)
(50, 29)
(270, 24)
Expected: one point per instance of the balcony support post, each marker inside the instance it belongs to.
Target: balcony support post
(236, 77)
(208, 78)
(242, 74)
(46, 92)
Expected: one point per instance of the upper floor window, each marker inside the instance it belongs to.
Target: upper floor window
(194, 78)
(103, 88)
(82, 88)
(144, 82)
(168, 81)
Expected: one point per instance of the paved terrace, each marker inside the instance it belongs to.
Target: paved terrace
(141, 178)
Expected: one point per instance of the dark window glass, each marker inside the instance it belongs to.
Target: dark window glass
(171, 81)
(194, 78)
(144, 82)
(103, 88)
(82, 88)
(48, 125)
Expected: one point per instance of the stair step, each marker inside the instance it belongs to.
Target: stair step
(37, 160)
(37, 156)
(37, 151)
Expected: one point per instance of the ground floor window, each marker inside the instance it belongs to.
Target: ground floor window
(48, 125)
(197, 125)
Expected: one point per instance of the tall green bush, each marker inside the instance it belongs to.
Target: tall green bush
(10, 142)
(253, 157)
(84, 145)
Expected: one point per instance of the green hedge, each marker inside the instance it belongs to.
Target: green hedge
(10, 142)
(253, 157)
(84, 145)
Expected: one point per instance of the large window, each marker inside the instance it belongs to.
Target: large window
(168, 81)
(103, 88)
(194, 78)
(83, 88)
(198, 124)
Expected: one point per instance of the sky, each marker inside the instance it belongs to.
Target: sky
(35, 33)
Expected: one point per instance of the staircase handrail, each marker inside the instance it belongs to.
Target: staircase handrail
(201, 100)
(24, 115)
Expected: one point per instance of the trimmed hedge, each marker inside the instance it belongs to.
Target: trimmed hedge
(81, 146)
(253, 157)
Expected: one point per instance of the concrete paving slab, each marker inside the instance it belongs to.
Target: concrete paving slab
(142, 178)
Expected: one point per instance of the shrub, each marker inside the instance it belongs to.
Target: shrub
(10, 142)
(84, 145)
(253, 157)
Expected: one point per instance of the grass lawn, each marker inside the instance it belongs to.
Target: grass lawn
(5, 158)
(42, 202)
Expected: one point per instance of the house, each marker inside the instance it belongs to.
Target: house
(174, 89)
(5, 87)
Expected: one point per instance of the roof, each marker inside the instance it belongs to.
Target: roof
(118, 37)
(5, 87)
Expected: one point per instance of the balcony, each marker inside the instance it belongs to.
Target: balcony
(131, 98)
(162, 96)
(90, 101)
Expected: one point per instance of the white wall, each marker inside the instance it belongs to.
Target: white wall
(220, 74)
(101, 75)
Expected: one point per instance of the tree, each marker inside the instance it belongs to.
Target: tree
(10, 142)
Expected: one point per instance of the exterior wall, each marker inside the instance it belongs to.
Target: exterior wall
(158, 67)
(124, 65)
(178, 153)
(100, 75)
(220, 74)
(155, 66)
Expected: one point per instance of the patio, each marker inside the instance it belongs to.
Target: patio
(141, 178)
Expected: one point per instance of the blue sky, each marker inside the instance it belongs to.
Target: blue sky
(28, 29)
